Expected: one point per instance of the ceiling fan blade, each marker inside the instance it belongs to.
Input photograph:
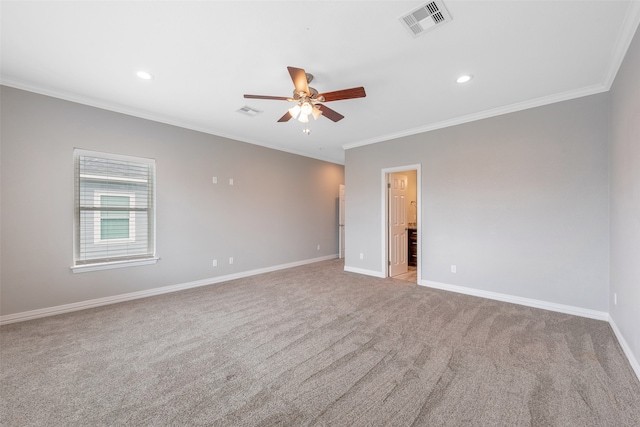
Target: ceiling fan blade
(329, 113)
(285, 118)
(277, 98)
(356, 92)
(299, 78)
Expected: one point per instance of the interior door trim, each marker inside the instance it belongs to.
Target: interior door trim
(384, 266)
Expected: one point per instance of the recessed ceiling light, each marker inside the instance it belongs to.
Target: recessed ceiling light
(144, 75)
(464, 78)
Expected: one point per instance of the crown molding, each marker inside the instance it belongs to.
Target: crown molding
(625, 37)
(122, 109)
(538, 102)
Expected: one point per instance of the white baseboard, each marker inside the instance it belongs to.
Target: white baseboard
(545, 305)
(625, 347)
(363, 271)
(82, 305)
(578, 311)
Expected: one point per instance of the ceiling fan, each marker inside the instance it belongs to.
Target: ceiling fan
(308, 100)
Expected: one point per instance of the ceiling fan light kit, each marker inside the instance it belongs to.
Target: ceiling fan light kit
(308, 100)
(295, 110)
(315, 112)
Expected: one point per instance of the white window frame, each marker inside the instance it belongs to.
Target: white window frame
(80, 265)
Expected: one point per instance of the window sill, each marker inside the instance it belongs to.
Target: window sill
(110, 265)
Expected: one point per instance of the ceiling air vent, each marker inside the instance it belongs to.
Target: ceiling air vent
(249, 111)
(425, 18)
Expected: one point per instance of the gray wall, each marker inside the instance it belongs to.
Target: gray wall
(280, 208)
(519, 203)
(625, 199)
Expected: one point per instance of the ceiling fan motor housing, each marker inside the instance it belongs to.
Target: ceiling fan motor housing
(312, 94)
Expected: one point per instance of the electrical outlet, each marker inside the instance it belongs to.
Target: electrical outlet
(454, 269)
(215, 262)
(215, 179)
(361, 255)
(615, 298)
(318, 247)
(230, 181)
(230, 260)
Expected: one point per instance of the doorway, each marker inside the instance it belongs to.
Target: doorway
(401, 194)
(341, 200)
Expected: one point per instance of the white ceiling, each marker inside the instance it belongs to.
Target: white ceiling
(205, 55)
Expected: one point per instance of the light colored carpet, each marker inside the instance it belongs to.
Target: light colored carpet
(315, 345)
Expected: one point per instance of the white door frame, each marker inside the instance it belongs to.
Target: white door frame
(341, 224)
(384, 200)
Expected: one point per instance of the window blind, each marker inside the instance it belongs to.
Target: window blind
(114, 208)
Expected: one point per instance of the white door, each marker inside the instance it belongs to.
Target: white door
(398, 246)
(341, 223)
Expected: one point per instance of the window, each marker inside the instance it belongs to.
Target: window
(114, 211)
(111, 226)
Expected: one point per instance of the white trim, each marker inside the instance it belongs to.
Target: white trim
(82, 305)
(545, 305)
(385, 220)
(129, 111)
(68, 308)
(529, 302)
(363, 271)
(627, 31)
(113, 156)
(78, 239)
(625, 37)
(621, 47)
(110, 265)
(625, 348)
(552, 99)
